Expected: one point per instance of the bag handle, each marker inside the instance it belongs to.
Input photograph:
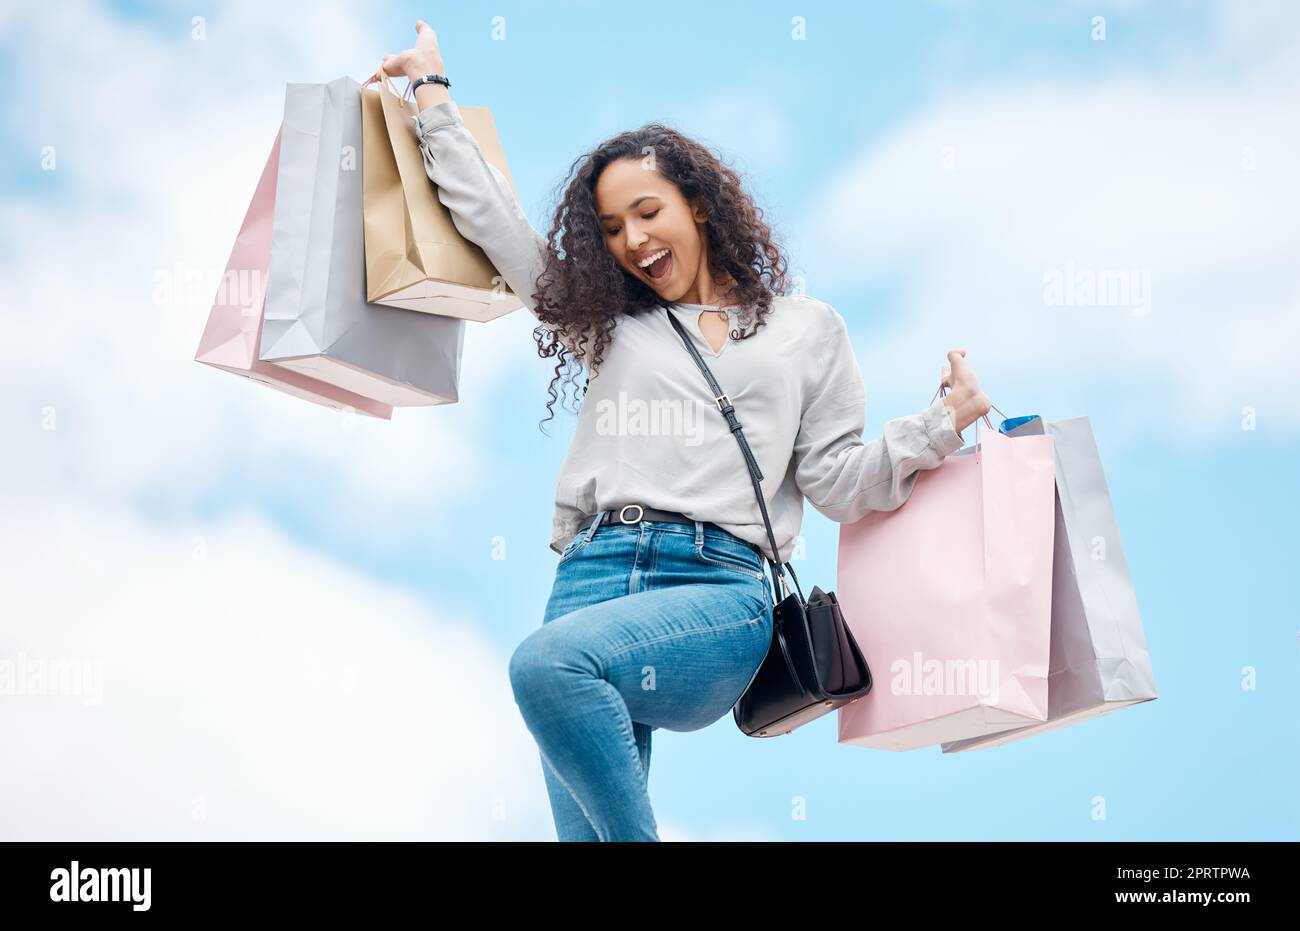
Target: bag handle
(943, 392)
(386, 80)
(755, 474)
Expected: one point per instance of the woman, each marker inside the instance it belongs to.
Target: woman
(660, 612)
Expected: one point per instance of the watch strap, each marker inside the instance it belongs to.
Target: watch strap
(430, 79)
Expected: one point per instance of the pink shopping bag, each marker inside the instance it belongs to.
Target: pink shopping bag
(233, 335)
(1100, 662)
(950, 598)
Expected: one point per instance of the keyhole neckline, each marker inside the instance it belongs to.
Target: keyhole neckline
(693, 311)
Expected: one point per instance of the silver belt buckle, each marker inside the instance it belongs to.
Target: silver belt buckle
(623, 510)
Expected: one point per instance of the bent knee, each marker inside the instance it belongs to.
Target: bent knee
(535, 666)
(526, 662)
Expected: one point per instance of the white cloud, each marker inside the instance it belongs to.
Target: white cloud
(276, 693)
(1121, 174)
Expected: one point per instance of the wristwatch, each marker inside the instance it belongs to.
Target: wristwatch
(429, 79)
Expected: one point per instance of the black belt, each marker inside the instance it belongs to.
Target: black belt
(635, 513)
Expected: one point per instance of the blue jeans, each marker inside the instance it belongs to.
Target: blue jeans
(649, 625)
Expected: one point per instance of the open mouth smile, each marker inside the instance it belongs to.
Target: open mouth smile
(658, 266)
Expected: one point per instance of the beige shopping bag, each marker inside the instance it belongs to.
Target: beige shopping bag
(415, 257)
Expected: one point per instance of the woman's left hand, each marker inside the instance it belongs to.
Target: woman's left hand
(964, 398)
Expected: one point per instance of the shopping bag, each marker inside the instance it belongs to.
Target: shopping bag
(415, 257)
(949, 598)
(317, 319)
(232, 337)
(1099, 658)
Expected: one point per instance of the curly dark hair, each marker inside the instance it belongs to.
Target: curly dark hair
(582, 290)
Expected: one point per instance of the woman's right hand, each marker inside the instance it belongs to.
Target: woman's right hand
(424, 58)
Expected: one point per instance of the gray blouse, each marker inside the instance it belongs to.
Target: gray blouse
(649, 432)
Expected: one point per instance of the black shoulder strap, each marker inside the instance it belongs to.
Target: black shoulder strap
(723, 404)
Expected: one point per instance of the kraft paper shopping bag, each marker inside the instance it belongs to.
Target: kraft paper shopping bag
(232, 337)
(317, 319)
(415, 257)
(949, 598)
(1099, 657)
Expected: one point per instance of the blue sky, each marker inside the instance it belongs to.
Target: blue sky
(303, 598)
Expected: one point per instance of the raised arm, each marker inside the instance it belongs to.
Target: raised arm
(482, 205)
(479, 197)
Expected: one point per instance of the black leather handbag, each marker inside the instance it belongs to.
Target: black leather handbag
(813, 665)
